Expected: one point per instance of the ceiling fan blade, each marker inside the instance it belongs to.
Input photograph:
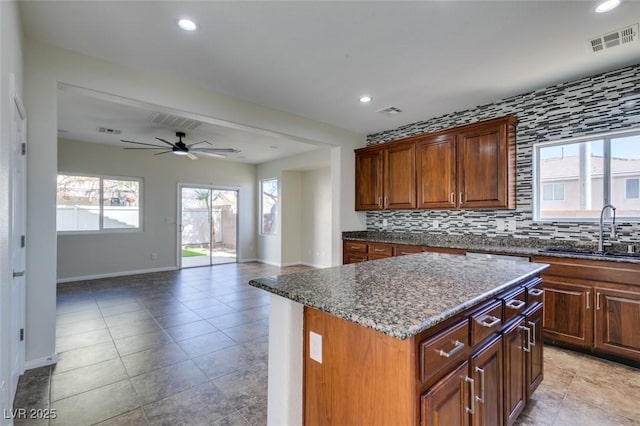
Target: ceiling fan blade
(160, 147)
(141, 143)
(211, 154)
(165, 152)
(166, 141)
(191, 156)
(198, 143)
(216, 150)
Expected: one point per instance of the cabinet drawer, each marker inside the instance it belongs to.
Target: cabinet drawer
(514, 303)
(485, 322)
(535, 293)
(401, 250)
(382, 250)
(354, 258)
(440, 353)
(355, 247)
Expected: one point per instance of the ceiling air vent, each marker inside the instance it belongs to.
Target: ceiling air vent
(389, 111)
(616, 38)
(174, 122)
(108, 131)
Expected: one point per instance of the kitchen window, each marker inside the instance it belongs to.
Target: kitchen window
(574, 178)
(98, 203)
(268, 205)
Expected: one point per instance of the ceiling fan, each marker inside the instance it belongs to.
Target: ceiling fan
(181, 148)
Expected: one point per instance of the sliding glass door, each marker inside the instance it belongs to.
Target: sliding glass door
(208, 226)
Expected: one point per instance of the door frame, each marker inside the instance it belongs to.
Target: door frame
(179, 216)
(17, 310)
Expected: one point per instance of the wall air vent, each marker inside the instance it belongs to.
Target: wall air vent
(174, 122)
(616, 38)
(389, 111)
(108, 131)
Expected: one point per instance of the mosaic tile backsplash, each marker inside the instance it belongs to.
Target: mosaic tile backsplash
(592, 105)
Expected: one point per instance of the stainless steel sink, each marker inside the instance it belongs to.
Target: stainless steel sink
(587, 252)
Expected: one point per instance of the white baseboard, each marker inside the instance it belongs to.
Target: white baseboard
(268, 263)
(115, 274)
(41, 362)
(248, 260)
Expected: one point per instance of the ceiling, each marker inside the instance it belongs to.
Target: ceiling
(316, 58)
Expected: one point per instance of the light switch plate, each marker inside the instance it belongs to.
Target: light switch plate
(315, 347)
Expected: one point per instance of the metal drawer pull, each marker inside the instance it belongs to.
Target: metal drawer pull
(597, 301)
(472, 400)
(588, 297)
(515, 304)
(536, 292)
(458, 346)
(490, 321)
(378, 250)
(532, 342)
(452, 198)
(18, 274)
(528, 330)
(460, 199)
(480, 398)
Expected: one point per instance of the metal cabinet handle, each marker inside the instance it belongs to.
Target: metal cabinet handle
(18, 274)
(472, 399)
(532, 342)
(536, 292)
(490, 321)
(515, 304)
(380, 201)
(597, 301)
(588, 301)
(528, 330)
(480, 398)
(460, 198)
(457, 347)
(378, 250)
(452, 198)
(386, 201)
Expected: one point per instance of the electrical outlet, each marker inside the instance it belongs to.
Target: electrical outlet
(154, 256)
(385, 223)
(500, 224)
(435, 224)
(511, 224)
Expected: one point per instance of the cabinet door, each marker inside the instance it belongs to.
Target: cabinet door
(618, 322)
(483, 167)
(445, 404)
(568, 316)
(436, 172)
(369, 179)
(535, 355)
(400, 176)
(514, 371)
(486, 370)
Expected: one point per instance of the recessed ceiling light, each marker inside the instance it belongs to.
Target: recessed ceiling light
(607, 5)
(365, 99)
(187, 25)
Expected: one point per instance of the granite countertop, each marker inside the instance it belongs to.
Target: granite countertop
(474, 243)
(401, 296)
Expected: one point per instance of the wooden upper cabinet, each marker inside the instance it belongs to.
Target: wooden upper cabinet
(385, 177)
(472, 166)
(400, 177)
(369, 189)
(436, 171)
(486, 161)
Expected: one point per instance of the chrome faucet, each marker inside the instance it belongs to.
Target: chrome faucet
(613, 235)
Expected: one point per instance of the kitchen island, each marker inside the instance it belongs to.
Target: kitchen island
(403, 340)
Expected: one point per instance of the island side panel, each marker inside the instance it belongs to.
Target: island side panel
(366, 378)
(284, 404)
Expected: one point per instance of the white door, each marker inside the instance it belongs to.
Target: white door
(18, 240)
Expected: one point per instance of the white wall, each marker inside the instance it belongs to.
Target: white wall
(10, 63)
(103, 254)
(315, 203)
(45, 66)
(291, 203)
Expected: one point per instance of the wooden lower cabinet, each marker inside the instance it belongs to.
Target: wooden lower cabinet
(447, 402)
(617, 321)
(360, 251)
(534, 357)
(568, 317)
(515, 397)
(486, 371)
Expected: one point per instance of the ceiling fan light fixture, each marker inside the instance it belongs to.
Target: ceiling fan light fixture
(177, 152)
(187, 24)
(365, 99)
(607, 5)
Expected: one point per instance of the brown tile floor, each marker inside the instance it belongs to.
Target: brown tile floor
(190, 348)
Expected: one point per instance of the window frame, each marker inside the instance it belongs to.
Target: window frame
(553, 191)
(260, 205)
(102, 230)
(536, 187)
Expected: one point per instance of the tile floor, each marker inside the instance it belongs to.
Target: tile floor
(190, 348)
